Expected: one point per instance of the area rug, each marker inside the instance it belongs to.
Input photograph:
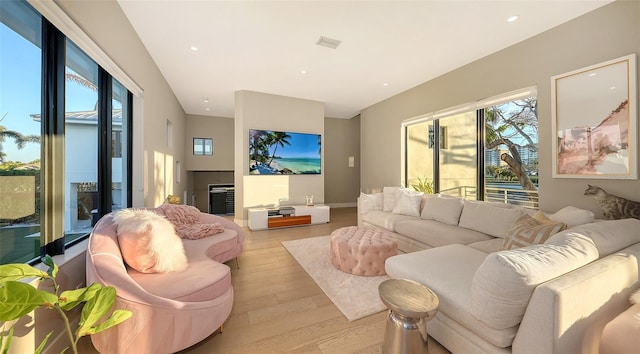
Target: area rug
(355, 296)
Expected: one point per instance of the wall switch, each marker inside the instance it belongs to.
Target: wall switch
(351, 161)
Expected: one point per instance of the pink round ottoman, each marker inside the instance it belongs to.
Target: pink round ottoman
(362, 250)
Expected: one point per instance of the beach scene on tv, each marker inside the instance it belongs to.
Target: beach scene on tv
(284, 153)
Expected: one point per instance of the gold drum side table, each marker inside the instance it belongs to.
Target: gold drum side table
(411, 305)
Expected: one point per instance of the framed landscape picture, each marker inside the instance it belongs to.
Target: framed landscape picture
(594, 119)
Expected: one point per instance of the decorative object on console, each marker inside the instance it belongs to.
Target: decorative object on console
(613, 207)
(309, 199)
(594, 113)
(172, 199)
(148, 241)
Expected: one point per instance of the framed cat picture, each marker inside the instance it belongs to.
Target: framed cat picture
(595, 118)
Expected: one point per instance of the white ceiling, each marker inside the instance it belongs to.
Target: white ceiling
(263, 45)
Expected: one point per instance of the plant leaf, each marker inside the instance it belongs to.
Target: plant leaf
(117, 317)
(44, 342)
(18, 299)
(71, 298)
(53, 268)
(8, 343)
(17, 271)
(96, 308)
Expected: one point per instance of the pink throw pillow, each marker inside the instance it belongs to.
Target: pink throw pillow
(148, 242)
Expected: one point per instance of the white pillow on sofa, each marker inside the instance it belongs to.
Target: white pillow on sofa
(369, 202)
(572, 216)
(389, 198)
(148, 242)
(488, 219)
(503, 284)
(443, 209)
(407, 202)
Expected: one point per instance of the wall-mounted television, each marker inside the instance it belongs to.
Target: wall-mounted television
(284, 153)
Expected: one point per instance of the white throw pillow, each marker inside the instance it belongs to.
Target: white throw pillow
(148, 241)
(443, 209)
(369, 202)
(503, 284)
(407, 202)
(572, 216)
(389, 198)
(487, 218)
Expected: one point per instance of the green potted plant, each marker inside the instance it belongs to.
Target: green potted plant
(423, 186)
(19, 298)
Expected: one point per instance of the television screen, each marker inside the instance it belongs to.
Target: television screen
(284, 153)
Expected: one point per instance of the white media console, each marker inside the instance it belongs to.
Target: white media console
(259, 218)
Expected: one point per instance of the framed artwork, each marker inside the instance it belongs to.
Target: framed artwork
(594, 119)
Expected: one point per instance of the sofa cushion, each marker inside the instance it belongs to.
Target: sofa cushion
(609, 236)
(407, 202)
(370, 202)
(148, 241)
(486, 218)
(503, 284)
(443, 209)
(488, 246)
(527, 231)
(384, 219)
(436, 234)
(572, 216)
(448, 271)
(204, 279)
(389, 198)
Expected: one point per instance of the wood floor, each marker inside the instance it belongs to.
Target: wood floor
(278, 308)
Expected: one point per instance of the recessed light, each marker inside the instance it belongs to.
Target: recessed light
(593, 74)
(205, 99)
(612, 88)
(513, 18)
(207, 109)
(385, 84)
(194, 48)
(303, 72)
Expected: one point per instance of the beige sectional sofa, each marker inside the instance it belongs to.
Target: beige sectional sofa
(553, 297)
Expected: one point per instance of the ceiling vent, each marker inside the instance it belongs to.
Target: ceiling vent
(328, 42)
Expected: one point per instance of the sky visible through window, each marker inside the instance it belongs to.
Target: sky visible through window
(20, 91)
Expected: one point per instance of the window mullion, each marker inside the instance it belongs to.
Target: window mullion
(52, 147)
(105, 197)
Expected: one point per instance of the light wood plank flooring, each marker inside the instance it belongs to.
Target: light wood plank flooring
(278, 308)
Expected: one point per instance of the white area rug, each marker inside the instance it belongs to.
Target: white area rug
(355, 296)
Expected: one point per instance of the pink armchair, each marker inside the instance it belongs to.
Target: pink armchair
(171, 311)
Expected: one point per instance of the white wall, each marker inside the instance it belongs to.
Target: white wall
(609, 32)
(220, 129)
(254, 110)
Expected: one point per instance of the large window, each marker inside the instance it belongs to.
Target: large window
(56, 127)
(20, 82)
(446, 149)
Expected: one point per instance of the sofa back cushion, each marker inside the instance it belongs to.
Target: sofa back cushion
(442, 208)
(608, 236)
(572, 216)
(504, 283)
(487, 218)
